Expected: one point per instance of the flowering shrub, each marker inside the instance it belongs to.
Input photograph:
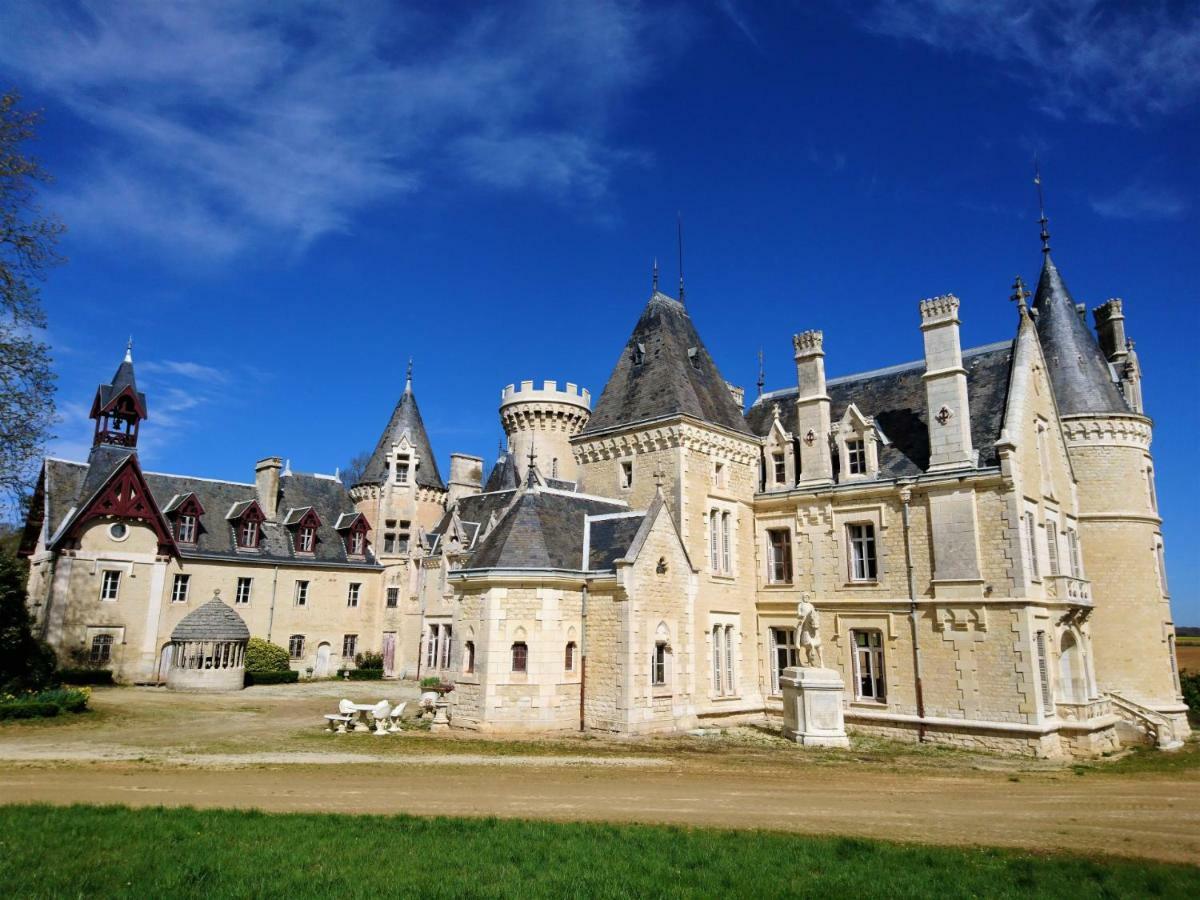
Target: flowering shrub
(43, 704)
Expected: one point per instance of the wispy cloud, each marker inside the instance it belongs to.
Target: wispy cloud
(1140, 200)
(190, 370)
(1106, 61)
(225, 125)
(734, 12)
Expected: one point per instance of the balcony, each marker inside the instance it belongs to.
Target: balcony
(1068, 589)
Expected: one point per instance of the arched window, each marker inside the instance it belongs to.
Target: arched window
(1072, 678)
(520, 657)
(569, 657)
(658, 659)
(102, 648)
(469, 657)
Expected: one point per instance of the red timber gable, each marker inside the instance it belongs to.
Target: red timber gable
(353, 529)
(124, 496)
(304, 532)
(186, 515)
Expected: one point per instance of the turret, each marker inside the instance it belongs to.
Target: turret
(119, 407)
(544, 419)
(812, 409)
(945, 386)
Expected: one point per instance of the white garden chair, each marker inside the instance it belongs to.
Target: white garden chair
(380, 713)
(342, 718)
(397, 713)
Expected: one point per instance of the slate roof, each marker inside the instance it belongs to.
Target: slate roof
(475, 510)
(405, 417)
(667, 382)
(503, 475)
(214, 621)
(609, 539)
(1079, 373)
(895, 397)
(122, 379)
(72, 484)
(542, 530)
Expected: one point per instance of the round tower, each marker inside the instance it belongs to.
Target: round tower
(545, 419)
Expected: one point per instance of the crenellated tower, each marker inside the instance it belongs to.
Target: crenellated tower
(544, 419)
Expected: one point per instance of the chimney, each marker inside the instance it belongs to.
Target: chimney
(812, 409)
(266, 483)
(1110, 326)
(466, 477)
(945, 386)
(738, 394)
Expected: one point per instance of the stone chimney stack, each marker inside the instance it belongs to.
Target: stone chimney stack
(1110, 326)
(946, 386)
(266, 483)
(466, 477)
(812, 409)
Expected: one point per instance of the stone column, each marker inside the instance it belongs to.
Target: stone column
(946, 386)
(812, 409)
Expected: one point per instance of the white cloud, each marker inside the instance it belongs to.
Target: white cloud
(192, 370)
(1140, 200)
(226, 123)
(1104, 60)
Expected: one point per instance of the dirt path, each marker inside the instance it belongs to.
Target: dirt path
(1151, 817)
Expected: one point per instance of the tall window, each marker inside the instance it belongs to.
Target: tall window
(658, 664)
(179, 589)
(389, 537)
(248, 534)
(393, 597)
(1160, 557)
(784, 654)
(1044, 672)
(520, 657)
(402, 537)
(717, 669)
(627, 474)
(469, 657)
(301, 593)
(726, 528)
(714, 540)
(349, 645)
(110, 584)
(779, 468)
(1174, 663)
(358, 543)
(1031, 554)
(101, 648)
(863, 565)
(241, 595)
(306, 539)
(868, 665)
(352, 593)
(730, 667)
(402, 467)
(1052, 545)
(1073, 549)
(431, 646)
(856, 457)
(1150, 488)
(569, 657)
(185, 529)
(296, 646)
(780, 546)
(444, 646)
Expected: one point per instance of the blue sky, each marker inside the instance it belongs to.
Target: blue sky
(283, 202)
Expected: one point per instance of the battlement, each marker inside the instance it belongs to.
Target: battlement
(548, 393)
(939, 310)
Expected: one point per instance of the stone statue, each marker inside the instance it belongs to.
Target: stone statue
(808, 632)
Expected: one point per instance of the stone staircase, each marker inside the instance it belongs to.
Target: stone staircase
(1152, 725)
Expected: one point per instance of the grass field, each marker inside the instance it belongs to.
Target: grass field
(114, 851)
(1187, 649)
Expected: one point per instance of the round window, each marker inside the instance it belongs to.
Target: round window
(118, 531)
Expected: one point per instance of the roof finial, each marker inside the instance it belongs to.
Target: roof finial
(129, 350)
(762, 375)
(1019, 294)
(500, 451)
(408, 378)
(1037, 179)
(679, 230)
(654, 283)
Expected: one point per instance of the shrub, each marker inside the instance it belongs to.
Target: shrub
(263, 656)
(85, 676)
(26, 663)
(361, 674)
(369, 659)
(26, 709)
(67, 699)
(1190, 681)
(431, 682)
(288, 677)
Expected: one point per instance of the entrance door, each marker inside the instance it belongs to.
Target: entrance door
(321, 668)
(389, 654)
(164, 661)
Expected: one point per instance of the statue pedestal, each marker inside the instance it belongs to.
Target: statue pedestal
(812, 707)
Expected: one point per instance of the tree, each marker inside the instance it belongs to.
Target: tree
(28, 241)
(26, 663)
(354, 469)
(263, 656)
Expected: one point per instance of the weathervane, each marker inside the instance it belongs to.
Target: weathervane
(654, 284)
(408, 376)
(679, 230)
(1037, 179)
(762, 377)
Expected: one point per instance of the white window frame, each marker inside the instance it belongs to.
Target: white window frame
(727, 543)
(1043, 665)
(110, 585)
(403, 468)
(1073, 549)
(659, 675)
(308, 537)
(778, 467)
(242, 597)
(292, 646)
(248, 535)
(431, 645)
(187, 529)
(626, 474)
(300, 594)
(872, 656)
(353, 594)
(351, 641)
(788, 647)
(183, 581)
(863, 565)
(773, 561)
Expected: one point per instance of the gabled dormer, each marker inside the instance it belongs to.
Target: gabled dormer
(246, 519)
(856, 443)
(185, 512)
(303, 524)
(779, 455)
(353, 528)
(119, 407)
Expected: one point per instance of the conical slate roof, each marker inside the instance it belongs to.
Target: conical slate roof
(405, 417)
(665, 370)
(120, 381)
(1079, 373)
(214, 621)
(503, 476)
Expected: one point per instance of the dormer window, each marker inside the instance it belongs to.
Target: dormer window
(403, 464)
(638, 353)
(247, 519)
(857, 439)
(353, 529)
(358, 544)
(185, 512)
(306, 538)
(856, 457)
(304, 523)
(248, 534)
(779, 464)
(185, 529)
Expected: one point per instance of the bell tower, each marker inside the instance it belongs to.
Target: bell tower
(119, 407)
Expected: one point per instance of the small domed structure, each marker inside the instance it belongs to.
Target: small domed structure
(209, 649)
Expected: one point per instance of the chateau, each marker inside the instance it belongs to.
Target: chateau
(978, 530)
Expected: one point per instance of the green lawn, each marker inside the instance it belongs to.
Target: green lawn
(178, 853)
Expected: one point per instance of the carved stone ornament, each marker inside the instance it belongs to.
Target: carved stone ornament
(944, 415)
(809, 437)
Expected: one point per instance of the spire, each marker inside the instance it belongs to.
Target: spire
(129, 351)
(679, 229)
(762, 375)
(405, 420)
(119, 407)
(532, 477)
(1037, 179)
(408, 378)
(654, 280)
